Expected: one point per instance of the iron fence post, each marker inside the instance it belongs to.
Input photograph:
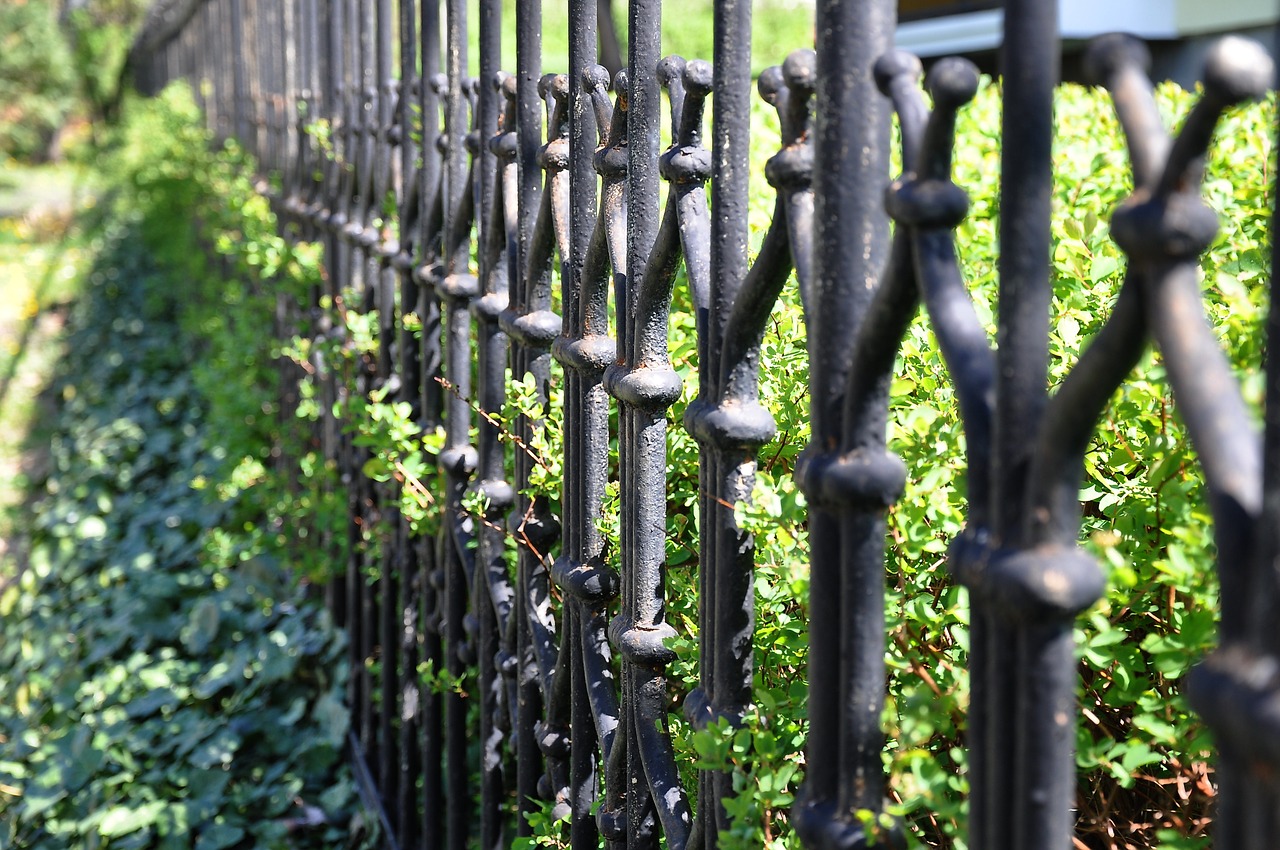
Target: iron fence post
(851, 150)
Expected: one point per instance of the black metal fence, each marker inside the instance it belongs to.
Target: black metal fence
(529, 171)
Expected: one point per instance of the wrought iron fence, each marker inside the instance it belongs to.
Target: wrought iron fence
(503, 184)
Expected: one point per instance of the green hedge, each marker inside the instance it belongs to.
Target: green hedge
(1145, 775)
(1145, 761)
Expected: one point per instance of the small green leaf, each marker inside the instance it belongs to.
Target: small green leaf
(202, 626)
(219, 835)
(91, 528)
(121, 820)
(1102, 267)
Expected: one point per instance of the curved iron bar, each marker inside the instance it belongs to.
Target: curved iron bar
(1119, 63)
(1023, 596)
(927, 205)
(850, 254)
(1163, 228)
(635, 819)
(864, 479)
(645, 385)
(531, 327)
(585, 582)
(595, 582)
(552, 233)
(502, 241)
(408, 705)
(726, 419)
(494, 595)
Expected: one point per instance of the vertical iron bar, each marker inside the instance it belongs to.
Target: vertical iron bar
(359, 626)
(641, 438)
(297, 105)
(430, 394)
(726, 602)
(528, 139)
(259, 83)
(1030, 71)
(492, 597)
(315, 22)
(862, 550)
(411, 575)
(459, 458)
(432, 199)
(217, 58)
(585, 423)
(324, 212)
(280, 48)
(846, 611)
(1040, 706)
(851, 238)
(365, 283)
(388, 495)
(238, 72)
(252, 48)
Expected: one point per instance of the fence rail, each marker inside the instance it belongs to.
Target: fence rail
(462, 201)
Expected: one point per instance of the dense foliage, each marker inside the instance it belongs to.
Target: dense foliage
(37, 83)
(1145, 763)
(169, 683)
(1144, 759)
(1146, 776)
(60, 62)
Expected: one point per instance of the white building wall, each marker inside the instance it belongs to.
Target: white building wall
(1160, 20)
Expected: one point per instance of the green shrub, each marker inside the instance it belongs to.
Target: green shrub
(99, 33)
(1144, 758)
(37, 82)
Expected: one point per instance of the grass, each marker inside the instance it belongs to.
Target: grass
(42, 256)
(778, 27)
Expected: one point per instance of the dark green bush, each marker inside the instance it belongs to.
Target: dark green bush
(169, 682)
